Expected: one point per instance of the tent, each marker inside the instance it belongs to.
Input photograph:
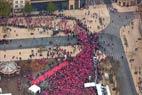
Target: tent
(0, 90)
(34, 89)
(102, 89)
(91, 84)
(6, 94)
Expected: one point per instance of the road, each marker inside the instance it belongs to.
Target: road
(111, 45)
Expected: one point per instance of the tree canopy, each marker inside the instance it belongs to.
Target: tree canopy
(28, 8)
(51, 7)
(5, 8)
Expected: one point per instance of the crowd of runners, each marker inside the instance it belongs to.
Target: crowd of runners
(70, 78)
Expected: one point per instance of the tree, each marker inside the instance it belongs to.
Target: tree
(5, 8)
(28, 8)
(51, 7)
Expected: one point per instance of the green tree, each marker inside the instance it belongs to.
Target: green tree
(51, 7)
(28, 8)
(5, 8)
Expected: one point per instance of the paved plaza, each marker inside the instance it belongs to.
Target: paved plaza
(95, 18)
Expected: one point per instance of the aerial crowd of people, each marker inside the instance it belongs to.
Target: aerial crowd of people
(70, 79)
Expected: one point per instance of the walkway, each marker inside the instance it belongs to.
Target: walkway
(38, 42)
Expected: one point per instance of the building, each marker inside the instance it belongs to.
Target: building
(18, 5)
(60, 4)
(40, 5)
(126, 3)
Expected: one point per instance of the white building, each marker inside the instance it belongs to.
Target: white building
(18, 5)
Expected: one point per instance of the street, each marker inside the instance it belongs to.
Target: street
(112, 46)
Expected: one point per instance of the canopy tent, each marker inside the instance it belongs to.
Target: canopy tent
(99, 89)
(6, 94)
(102, 89)
(8, 67)
(34, 89)
(0, 90)
(91, 84)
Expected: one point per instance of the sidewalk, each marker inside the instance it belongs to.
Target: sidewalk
(38, 53)
(21, 33)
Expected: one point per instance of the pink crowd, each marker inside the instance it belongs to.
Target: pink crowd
(69, 79)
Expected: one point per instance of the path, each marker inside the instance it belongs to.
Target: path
(38, 42)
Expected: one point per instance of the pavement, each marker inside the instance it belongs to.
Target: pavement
(112, 46)
(22, 41)
(39, 42)
(24, 54)
(21, 49)
(133, 50)
(18, 33)
(116, 51)
(91, 17)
